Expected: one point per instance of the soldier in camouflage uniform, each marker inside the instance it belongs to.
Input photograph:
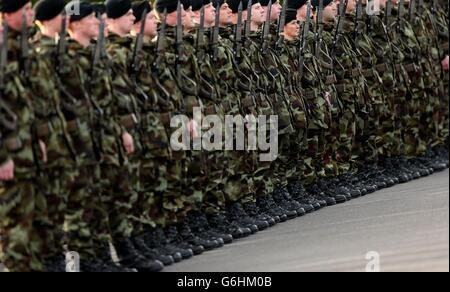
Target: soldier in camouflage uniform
(20, 199)
(124, 219)
(59, 172)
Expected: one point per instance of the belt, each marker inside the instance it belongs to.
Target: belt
(44, 130)
(129, 121)
(411, 68)
(73, 125)
(248, 102)
(165, 118)
(381, 67)
(340, 87)
(14, 144)
(330, 79)
(210, 110)
(352, 73)
(367, 73)
(310, 94)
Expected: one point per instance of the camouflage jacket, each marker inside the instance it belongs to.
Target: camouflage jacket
(124, 88)
(51, 125)
(16, 140)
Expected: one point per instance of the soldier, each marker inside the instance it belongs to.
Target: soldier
(179, 62)
(60, 169)
(124, 224)
(222, 56)
(20, 200)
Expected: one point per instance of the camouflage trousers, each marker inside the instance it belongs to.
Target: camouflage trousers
(85, 213)
(57, 184)
(22, 240)
(119, 195)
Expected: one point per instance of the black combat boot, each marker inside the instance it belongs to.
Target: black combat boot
(295, 190)
(189, 237)
(110, 266)
(55, 264)
(151, 254)
(156, 239)
(283, 199)
(237, 213)
(129, 257)
(200, 226)
(253, 211)
(330, 190)
(174, 238)
(315, 192)
(221, 223)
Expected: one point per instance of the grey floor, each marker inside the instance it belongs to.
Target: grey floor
(406, 226)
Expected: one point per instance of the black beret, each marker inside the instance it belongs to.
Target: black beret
(138, 9)
(198, 4)
(186, 4)
(99, 8)
(315, 3)
(48, 9)
(170, 5)
(234, 5)
(291, 14)
(85, 9)
(10, 6)
(296, 4)
(265, 3)
(218, 3)
(117, 8)
(246, 2)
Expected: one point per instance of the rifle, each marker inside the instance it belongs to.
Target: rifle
(281, 23)
(215, 35)
(358, 16)
(8, 118)
(238, 35)
(412, 10)
(401, 6)
(178, 42)
(24, 53)
(337, 34)
(388, 13)
(247, 27)
(200, 36)
(139, 43)
(159, 53)
(62, 43)
(266, 27)
(305, 32)
(319, 28)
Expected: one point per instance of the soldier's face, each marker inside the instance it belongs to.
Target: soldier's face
(292, 29)
(382, 3)
(55, 23)
(351, 5)
(125, 22)
(150, 24)
(15, 19)
(226, 15)
(88, 26)
(301, 13)
(276, 11)
(187, 19)
(210, 14)
(258, 14)
(330, 12)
